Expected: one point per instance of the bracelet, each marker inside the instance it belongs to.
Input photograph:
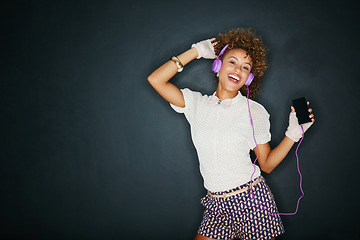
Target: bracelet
(179, 65)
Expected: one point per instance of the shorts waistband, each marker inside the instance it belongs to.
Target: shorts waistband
(238, 190)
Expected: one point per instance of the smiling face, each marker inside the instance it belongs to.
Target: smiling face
(235, 69)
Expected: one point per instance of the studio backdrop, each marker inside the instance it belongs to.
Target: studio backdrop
(89, 150)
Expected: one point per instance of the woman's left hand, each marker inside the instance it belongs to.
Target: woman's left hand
(294, 131)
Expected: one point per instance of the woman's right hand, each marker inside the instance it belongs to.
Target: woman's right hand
(205, 48)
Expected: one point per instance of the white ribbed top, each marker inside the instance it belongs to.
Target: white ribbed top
(223, 138)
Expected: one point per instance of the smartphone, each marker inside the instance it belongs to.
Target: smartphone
(301, 109)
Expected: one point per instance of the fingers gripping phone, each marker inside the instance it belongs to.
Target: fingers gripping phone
(302, 110)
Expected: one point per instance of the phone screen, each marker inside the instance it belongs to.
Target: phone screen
(301, 109)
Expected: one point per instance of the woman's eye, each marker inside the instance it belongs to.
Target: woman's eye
(246, 68)
(232, 62)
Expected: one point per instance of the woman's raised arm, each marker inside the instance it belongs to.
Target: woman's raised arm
(160, 78)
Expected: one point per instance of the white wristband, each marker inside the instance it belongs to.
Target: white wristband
(294, 131)
(205, 49)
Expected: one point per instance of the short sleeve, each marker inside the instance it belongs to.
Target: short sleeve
(191, 101)
(188, 99)
(261, 122)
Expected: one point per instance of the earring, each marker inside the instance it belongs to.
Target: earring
(217, 74)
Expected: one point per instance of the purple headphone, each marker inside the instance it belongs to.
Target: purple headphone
(217, 66)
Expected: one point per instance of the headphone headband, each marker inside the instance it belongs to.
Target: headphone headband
(223, 50)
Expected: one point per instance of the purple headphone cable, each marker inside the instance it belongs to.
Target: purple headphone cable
(257, 154)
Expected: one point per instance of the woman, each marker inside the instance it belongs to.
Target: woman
(239, 204)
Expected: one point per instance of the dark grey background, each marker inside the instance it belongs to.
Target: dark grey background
(90, 151)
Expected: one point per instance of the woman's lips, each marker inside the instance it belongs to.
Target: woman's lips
(234, 78)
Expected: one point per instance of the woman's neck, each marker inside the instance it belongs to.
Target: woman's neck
(222, 94)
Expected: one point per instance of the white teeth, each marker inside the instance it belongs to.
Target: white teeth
(235, 77)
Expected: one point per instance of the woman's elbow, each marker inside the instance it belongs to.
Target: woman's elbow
(266, 170)
(150, 78)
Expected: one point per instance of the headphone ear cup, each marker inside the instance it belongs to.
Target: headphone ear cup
(249, 79)
(216, 65)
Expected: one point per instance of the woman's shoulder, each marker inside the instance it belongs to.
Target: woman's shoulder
(257, 108)
(193, 94)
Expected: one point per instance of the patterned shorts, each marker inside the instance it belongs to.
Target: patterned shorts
(240, 216)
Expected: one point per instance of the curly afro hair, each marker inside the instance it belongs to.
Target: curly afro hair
(253, 45)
